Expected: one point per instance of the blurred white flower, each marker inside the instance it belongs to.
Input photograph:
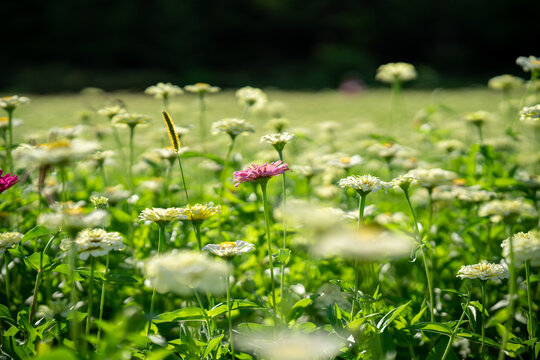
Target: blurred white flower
(201, 88)
(430, 178)
(250, 96)
(530, 115)
(529, 64)
(232, 126)
(229, 249)
(8, 240)
(163, 90)
(364, 184)
(97, 242)
(508, 210)
(9, 103)
(130, 119)
(526, 246)
(483, 271)
(346, 162)
(388, 73)
(162, 216)
(505, 82)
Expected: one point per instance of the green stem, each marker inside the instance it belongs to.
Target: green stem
(446, 351)
(284, 216)
(225, 168)
(73, 296)
(183, 178)
(10, 140)
(131, 157)
(63, 176)
(483, 317)
(511, 293)
(34, 297)
(529, 303)
(361, 206)
(119, 145)
(270, 261)
(480, 136)
(90, 295)
(8, 296)
(205, 314)
(160, 241)
(202, 118)
(197, 228)
(102, 300)
(229, 305)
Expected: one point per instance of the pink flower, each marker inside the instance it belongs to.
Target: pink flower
(7, 181)
(260, 173)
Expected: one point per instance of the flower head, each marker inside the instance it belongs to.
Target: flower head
(198, 213)
(232, 126)
(97, 242)
(55, 153)
(530, 63)
(391, 72)
(72, 217)
(9, 103)
(478, 118)
(4, 122)
(162, 216)
(483, 271)
(278, 140)
(346, 162)
(163, 90)
(229, 249)
(7, 181)
(278, 124)
(530, 115)
(364, 184)
(430, 178)
(8, 240)
(99, 202)
(505, 82)
(201, 88)
(526, 246)
(250, 96)
(404, 181)
(507, 210)
(185, 271)
(260, 173)
(111, 111)
(130, 119)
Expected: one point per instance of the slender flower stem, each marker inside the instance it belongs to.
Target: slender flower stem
(160, 241)
(119, 145)
(480, 136)
(90, 295)
(483, 317)
(34, 297)
(8, 294)
(73, 295)
(361, 206)
(511, 293)
(205, 314)
(284, 190)
(10, 140)
(63, 177)
(449, 345)
(102, 300)
(424, 258)
(197, 228)
(225, 168)
(270, 261)
(529, 303)
(183, 178)
(202, 118)
(229, 305)
(131, 157)
(166, 102)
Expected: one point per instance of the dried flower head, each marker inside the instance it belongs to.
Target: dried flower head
(162, 216)
(8, 240)
(130, 119)
(260, 173)
(163, 90)
(278, 140)
(483, 271)
(10, 103)
(526, 246)
(388, 73)
(364, 184)
(201, 88)
(229, 249)
(232, 126)
(97, 242)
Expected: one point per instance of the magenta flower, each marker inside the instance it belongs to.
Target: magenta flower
(260, 173)
(7, 181)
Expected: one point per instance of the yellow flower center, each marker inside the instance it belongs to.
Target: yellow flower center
(460, 182)
(227, 245)
(75, 211)
(201, 84)
(388, 145)
(4, 119)
(56, 145)
(345, 160)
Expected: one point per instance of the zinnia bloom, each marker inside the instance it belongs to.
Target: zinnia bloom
(163, 90)
(505, 82)
(483, 271)
(478, 117)
(232, 126)
(364, 183)
(229, 249)
(508, 210)
(346, 162)
(9, 103)
(97, 242)
(162, 216)
(277, 140)
(530, 115)
(391, 72)
(526, 247)
(429, 178)
(260, 173)
(8, 240)
(201, 88)
(198, 213)
(250, 96)
(111, 111)
(7, 181)
(528, 63)
(130, 119)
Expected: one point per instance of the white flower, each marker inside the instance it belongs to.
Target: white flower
(505, 82)
(97, 242)
(391, 72)
(306, 170)
(364, 183)
(278, 140)
(232, 126)
(111, 111)
(71, 217)
(530, 115)
(251, 96)
(390, 150)
(163, 90)
(68, 132)
(430, 178)
(200, 212)
(530, 63)
(9, 103)
(404, 181)
(479, 117)
(162, 216)
(4, 122)
(450, 145)
(185, 271)
(526, 246)
(130, 119)
(55, 153)
(506, 210)
(346, 162)
(474, 194)
(201, 88)
(229, 249)
(483, 271)
(8, 240)
(391, 218)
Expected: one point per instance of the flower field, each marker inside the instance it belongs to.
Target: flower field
(200, 223)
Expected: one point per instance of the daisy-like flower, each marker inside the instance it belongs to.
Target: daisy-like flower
(388, 73)
(278, 141)
(55, 153)
(201, 88)
(97, 242)
(530, 115)
(474, 194)
(505, 82)
(404, 181)
(526, 246)
(198, 213)
(529, 63)
(229, 249)
(112, 111)
(450, 145)
(100, 156)
(507, 210)
(7, 181)
(391, 218)
(250, 96)
(364, 184)
(10, 103)
(483, 271)
(278, 124)
(130, 119)
(389, 150)
(346, 162)
(4, 122)
(162, 216)
(8, 240)
(185, 271)
(260, 173)
(67, 132)
(72, 217)
(429, 178)
(163, 90)
(232, 126)
(99, 202)
(478, 118)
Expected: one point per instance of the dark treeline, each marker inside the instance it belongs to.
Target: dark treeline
(60, 45)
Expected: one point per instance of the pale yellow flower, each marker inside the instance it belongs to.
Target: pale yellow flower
(162, 216)
(483, 271)
(364, 184)
(505, 82)
(111, 111)
(9, 103)
(229, 249)
(97, 242)
(9, 240)
(200, 212)
(201, 88)
(251, 96)
(163, 90)
(232, 126)
(526, 246)
(130, 119)
(391, 72)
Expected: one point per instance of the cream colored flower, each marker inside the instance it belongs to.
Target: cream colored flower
(278, 140)
(67, 132)
(232, 126)
(185, 271)
(474, 194)
(199, 212)
(529, 64)
(530, 115)
(99, 202)
(9, 240)
(9, 103)
(111, 111)
(162, 216)
(163, 90)
(229, 249)
(278, 124)
(55, 153)
(346, 162)
(508, 210)
(479, 118)
(306, 170)
(130, 119)
(364, 184)
(201, 88)
(430, 178)
(4, 122)
(116, 193)
(391, 218)
(250, 96)
(390, 150)
(391, 72)
(450, 145)
(72, 217)
(483, 271)
(97, 242)
(505, 82)
(526, 246)
(404, 181)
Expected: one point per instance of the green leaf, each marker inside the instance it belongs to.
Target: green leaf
(431, 327)
(212, 344)
(390, 316)
(35, 232)
(59, 353)
(298, 308)
(120, 279)
(34, 259)
(181, 314)
(417, 317)
(236, 304)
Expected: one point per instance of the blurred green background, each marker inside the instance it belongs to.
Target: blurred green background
(59, 45)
